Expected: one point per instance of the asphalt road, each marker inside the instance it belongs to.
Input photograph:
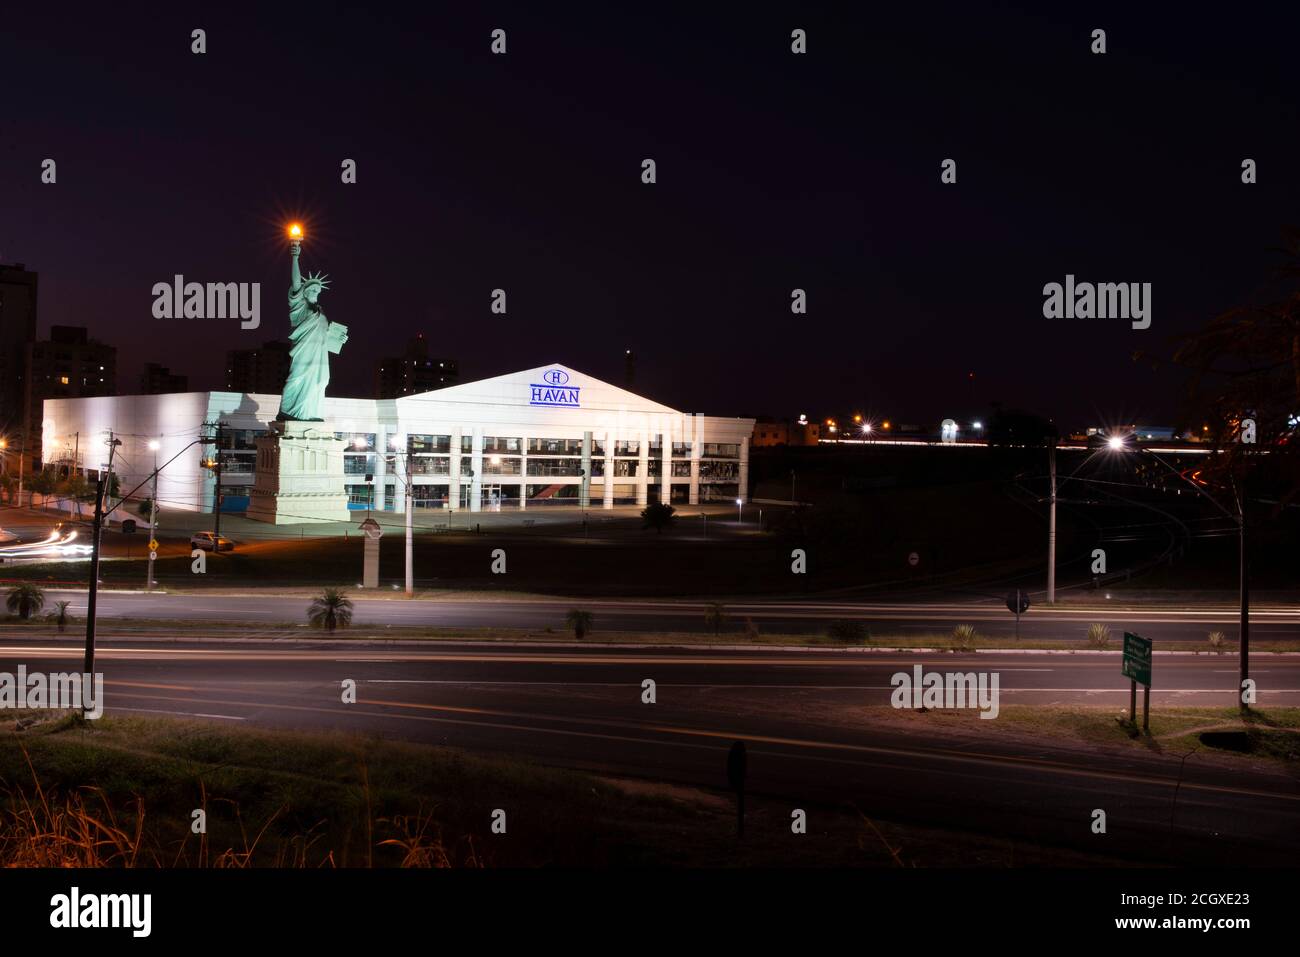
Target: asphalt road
(783, 617)
(811, 739)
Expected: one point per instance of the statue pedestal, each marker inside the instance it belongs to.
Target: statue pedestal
(299, 475)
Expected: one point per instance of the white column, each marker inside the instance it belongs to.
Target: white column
(453, 472)
(584, 489)
(476, 463)
(666, 467)
(609, 468)
(400, 458)
(743, 491)
(523, 472)
(643, 469)
(381, 467)
(697, 449)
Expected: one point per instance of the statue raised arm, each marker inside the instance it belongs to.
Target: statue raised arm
(314, 337)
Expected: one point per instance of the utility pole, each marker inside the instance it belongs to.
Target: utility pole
(1051, 527)
(1243, 570)
(153, 520)
(22, 448)
(216, 495)
(103, 487)
(410, 564)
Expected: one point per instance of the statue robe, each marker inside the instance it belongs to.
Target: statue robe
(314, 337)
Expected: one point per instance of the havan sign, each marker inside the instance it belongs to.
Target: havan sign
(556, 390)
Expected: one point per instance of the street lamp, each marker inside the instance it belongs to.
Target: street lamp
(1239, 518)
(740, 505)
(154, 446)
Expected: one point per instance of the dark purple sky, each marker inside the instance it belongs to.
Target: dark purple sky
(775, 171)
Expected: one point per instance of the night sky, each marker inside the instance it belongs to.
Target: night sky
(775, 171)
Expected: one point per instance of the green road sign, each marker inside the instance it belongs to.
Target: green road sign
(1136, 663)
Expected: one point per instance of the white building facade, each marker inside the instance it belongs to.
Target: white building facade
(544, 437)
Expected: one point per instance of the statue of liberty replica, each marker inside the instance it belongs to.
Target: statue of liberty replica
(299, 473)
(314, 338)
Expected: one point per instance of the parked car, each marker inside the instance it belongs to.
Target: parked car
(211, 542)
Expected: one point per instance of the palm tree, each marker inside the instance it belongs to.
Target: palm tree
(579, 621)
(25, 600)
(61, 616)
(658, 515)
(330, 609)
(715, 616)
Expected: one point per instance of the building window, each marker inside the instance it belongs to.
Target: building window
(555, 446)
(416, 444)
(721, 450)
(557, 467)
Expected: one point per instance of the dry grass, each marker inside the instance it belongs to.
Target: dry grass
(40, 828)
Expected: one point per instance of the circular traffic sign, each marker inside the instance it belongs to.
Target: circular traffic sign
(913, 559)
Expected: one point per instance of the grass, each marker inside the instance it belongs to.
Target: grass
(735, 633)
(122, 792)
(1272, 734)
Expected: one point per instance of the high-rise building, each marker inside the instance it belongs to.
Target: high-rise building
(17, 331)
(67, 365)
(157, 379)
(263, 370)
(414, 372)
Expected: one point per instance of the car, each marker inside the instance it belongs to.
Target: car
(211, 542)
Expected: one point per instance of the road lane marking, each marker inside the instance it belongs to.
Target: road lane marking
(971, 757)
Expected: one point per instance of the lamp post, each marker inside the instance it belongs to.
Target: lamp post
(1051, 527)
(153, 516)
(102, 486)
(1239, 518)
(740, 505)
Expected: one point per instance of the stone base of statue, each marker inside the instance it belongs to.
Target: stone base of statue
(299, 475)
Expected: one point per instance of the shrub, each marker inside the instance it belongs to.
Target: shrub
(963, 638)
(330, 609)
(658, 515)
(580, 621)
(715, 616)
(1098, 635)
(25, 600)
(61, 616)
(1217, 641)
(848, 631)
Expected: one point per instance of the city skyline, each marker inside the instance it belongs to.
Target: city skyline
(774, 172)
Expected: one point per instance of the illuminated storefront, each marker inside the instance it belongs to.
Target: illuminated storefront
(549, 436)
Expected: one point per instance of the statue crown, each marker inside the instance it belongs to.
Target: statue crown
(319, 279)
